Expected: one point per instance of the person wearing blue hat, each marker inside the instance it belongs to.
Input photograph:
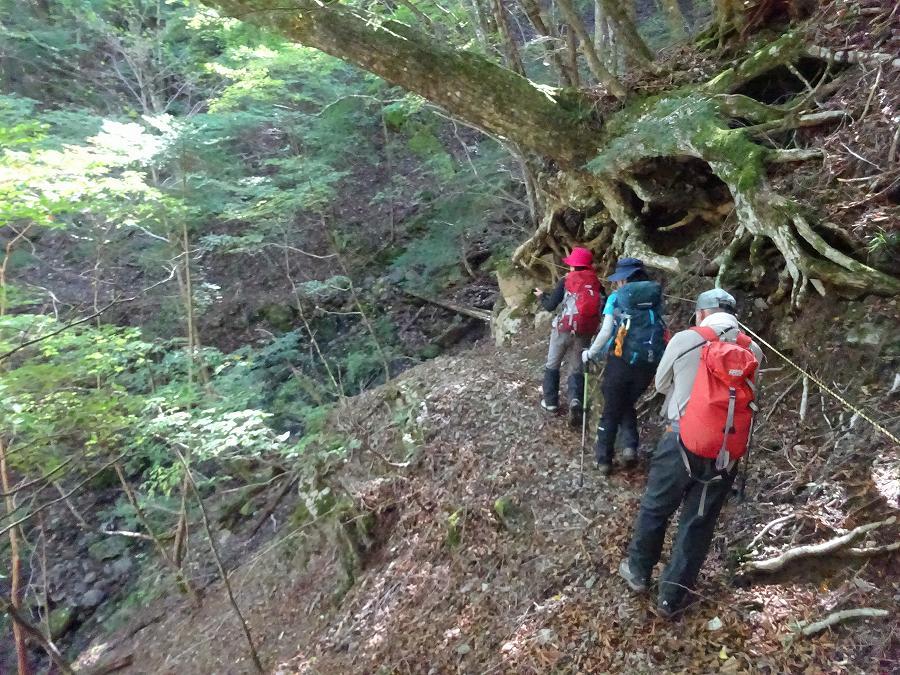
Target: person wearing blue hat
(633, 338)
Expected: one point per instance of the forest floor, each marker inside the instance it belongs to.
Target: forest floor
(446, 578)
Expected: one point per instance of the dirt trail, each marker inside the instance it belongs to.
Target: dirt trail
(439, 581)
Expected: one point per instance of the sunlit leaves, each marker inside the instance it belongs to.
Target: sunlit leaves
(44, 185)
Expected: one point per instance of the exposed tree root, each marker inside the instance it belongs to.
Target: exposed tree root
(852, 56)
(705, 125)
(812, 550)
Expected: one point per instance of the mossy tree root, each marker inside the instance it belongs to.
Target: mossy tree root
(698, 125)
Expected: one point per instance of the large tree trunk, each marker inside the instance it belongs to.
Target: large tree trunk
(645, 160)
(467, 85)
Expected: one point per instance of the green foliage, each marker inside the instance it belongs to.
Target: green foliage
(136, 129)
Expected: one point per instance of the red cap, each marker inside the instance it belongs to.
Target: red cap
(579, 257)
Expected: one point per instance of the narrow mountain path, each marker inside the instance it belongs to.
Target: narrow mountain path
(481, 555)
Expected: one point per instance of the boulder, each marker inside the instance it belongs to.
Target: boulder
(60, 621)
(515, 287)
(866, 334)
(506, 324)
(92, 598)
(120, 567)
(542, 322)
(108, 548)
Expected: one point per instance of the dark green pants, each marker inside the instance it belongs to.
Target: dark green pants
(669, 486)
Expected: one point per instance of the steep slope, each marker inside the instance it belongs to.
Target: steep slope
(455, 538)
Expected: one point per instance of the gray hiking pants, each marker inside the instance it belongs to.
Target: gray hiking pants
(563, 343)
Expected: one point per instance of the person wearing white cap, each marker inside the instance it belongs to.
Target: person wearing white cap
(678, 477)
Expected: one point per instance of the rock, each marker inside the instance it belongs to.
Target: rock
(516, 288)
(760, 304)
(92, 598)
(866, 334)
(545, 636)
(107, 548)
(60, 620)
(463, 649)
(543, 321)
(505, 325)
(714, 624)
(279, 316)
(90, 577)
(120, 567)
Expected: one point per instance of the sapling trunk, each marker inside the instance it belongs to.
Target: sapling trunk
(15, 567)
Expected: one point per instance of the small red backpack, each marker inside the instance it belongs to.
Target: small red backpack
(581, 305)
(719, 414)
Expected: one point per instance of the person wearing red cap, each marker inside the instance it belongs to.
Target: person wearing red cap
(581, 296)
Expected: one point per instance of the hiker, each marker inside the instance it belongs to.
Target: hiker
(580, 294)
(707, 374)
(633, 335)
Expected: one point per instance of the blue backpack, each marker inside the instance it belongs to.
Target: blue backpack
(640, 336)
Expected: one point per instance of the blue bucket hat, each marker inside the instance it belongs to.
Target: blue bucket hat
(625, 267)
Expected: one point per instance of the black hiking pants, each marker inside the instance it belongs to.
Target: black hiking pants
(622, 386)
(668, 486)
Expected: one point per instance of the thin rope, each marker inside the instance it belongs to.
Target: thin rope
(847, 404)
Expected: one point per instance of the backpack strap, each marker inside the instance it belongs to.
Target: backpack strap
(743, 340)
(707, 333)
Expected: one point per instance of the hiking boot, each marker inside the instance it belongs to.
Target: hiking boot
(549, 408)
(605, 469)
(635, 584)
(550, 390)
(629, 457)
(576, 413)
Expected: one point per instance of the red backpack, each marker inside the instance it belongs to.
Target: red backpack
(719, 414)
(581, 305)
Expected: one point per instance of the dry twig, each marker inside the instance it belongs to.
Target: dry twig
(843, 615)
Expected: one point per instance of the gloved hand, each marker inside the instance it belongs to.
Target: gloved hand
(586, 357)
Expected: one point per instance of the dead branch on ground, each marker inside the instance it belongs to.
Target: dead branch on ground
(812, 550)
(837, 617)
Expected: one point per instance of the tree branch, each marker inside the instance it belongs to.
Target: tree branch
(838, 617)
(215, 551)
(464, 83)
(119, 301)
(811, 550)
(35, 634)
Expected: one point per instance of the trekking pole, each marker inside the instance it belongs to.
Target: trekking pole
(584, 416)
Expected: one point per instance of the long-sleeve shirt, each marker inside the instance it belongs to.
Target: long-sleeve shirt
(678, 368)
(550, 301)
(601, 342)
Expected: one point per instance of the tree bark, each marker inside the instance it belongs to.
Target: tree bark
(510, 49)
(600, 71)
(548, 30)
(675, 19)
(625, 27)
(467, 85)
